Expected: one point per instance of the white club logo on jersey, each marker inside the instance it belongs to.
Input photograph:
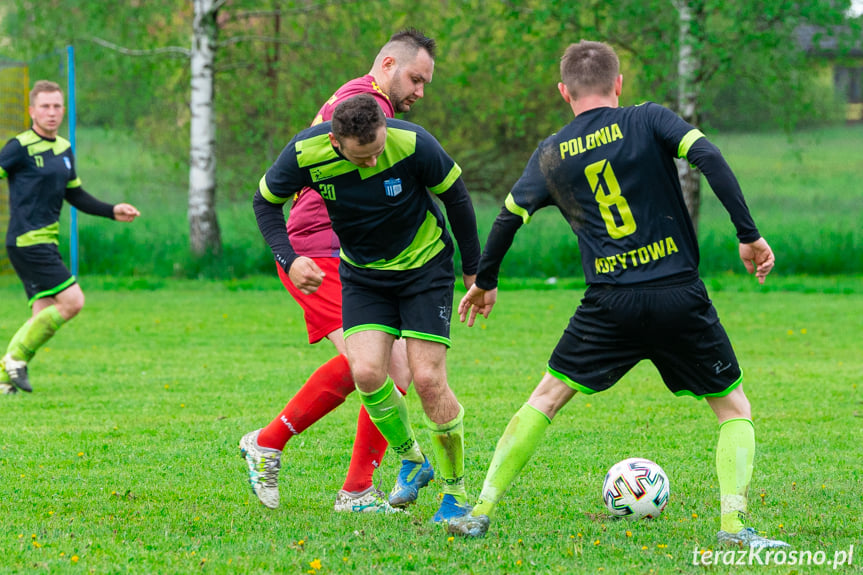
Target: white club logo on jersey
(68, 163)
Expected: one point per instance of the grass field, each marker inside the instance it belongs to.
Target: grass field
(124, 459)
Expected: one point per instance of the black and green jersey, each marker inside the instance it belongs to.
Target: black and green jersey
(611, 173)
(384, 216)
(41, 175)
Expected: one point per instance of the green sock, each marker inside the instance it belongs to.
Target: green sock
(35, 332)
(448, 448)
(389, 412)
(513, 451)
(735, 452)
(16, 339)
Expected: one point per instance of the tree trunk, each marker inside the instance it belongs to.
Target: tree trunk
(691, 14)
(204, 232)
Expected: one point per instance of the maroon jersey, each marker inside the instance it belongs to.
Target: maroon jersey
(309, 225)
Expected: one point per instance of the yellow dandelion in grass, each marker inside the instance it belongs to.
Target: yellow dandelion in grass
(316, 564)
(62, 553)
(823, 486)
(661, 546)
(803, 331)
(50, 513)
(33, 536)
(167, 386)
(301, 542)
(790, 332)
(588, 405)
(73, 558)
(695, 515)
(37, 545)
(644, 547)
(345, 559)
(450, 539)
(629, 533)
(518, 562)
(80, 454)
(596, 542)
(580, 535)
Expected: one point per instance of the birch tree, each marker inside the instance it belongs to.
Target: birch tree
(691, 42)
(204, 235)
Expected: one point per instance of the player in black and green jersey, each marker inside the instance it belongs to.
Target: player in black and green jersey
(376, 176)
(41, 171)
(611, 173)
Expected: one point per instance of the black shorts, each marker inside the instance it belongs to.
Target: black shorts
(411, 303)
(40, 267)
(675, 326)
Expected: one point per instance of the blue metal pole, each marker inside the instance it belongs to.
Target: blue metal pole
(70, 69)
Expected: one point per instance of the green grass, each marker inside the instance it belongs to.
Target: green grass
(125, 455)
(803, 192)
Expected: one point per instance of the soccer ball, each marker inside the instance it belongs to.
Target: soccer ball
(635, 488)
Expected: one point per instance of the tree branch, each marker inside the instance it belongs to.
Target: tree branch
(172, 50)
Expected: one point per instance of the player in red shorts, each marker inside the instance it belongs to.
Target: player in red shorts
(397, 80)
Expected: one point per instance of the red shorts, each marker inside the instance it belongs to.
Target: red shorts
(322, 309)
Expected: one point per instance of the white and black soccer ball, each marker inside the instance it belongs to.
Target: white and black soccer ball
(636, 488)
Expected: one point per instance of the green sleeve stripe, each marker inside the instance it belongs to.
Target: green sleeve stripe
(3, 173)
(690, 138)
(448, 181)
(76, 183)
(516, 209)
(267, 194)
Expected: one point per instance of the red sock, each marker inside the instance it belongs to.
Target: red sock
(324, 391)
(369, 449)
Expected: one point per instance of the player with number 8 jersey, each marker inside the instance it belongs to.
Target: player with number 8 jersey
(612, 174)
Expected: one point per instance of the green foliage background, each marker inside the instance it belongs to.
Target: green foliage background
(494, 93)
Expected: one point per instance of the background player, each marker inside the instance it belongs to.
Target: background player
(41, 171)
(396, 80)
(611, 173)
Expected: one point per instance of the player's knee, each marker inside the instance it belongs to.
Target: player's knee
(367, 377)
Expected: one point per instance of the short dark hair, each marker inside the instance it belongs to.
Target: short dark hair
(358, 117)
(416, 40)
(43, 86)
(589, 68)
